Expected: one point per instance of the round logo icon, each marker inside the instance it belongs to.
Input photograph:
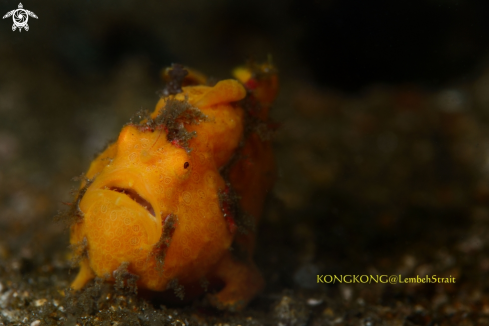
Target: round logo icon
(20, 17)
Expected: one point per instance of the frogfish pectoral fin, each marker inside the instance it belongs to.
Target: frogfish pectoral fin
(85, 275)
(242, 282)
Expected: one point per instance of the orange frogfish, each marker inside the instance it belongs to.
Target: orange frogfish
(173, 204)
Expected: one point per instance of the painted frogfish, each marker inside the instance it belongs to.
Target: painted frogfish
(173, 203)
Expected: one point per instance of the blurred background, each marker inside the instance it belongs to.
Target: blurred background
(382, 153)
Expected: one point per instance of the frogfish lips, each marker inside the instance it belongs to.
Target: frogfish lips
(121, 224)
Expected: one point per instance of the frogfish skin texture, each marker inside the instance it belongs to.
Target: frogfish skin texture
(174, 203)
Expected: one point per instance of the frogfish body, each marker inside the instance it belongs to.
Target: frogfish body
(174, 202)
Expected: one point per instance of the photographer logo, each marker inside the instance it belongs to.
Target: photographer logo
(20, 17)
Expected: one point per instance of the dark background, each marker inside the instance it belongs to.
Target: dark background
(381, 155)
